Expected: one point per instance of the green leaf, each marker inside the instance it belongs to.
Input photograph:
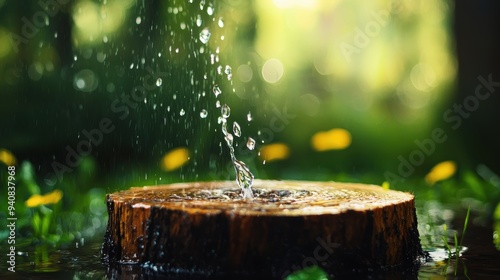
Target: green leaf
(496, 214)
(308, 273)
(466, 222)
(476, 186)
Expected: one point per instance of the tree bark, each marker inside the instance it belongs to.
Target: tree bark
(207, 230)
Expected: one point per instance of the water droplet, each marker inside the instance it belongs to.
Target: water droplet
(158, 82)
(250, 143)
(210, 9)
(203, 113)
(217, 91)
(225, 111)
(236, 129)
(221, 120)
(202, 4)
(198, 20)
(249, 117)
(138, 20)
(205, 35)
(182, 112)
(55, 35)
(219, 69)
(228, 72)
(131, 66)
(220, 22)
(217, 104)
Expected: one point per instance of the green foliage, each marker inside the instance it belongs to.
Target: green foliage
(308, 273)
(455, 252)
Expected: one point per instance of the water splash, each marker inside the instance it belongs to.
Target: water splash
(244, 176)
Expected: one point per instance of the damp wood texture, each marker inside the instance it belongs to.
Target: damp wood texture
(207, 230)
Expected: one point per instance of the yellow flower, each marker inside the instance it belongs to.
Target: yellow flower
(175, 159)
(276, 151)
(7, 157)
(50, 198)
(441, 171)
(333, 139)
(386, 185)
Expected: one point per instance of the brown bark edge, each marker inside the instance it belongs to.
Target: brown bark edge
(342, 227)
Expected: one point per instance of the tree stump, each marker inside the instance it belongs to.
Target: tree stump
(207, 229)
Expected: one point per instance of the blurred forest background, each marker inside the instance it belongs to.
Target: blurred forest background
(102, 95)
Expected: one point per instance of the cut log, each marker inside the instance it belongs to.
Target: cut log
(207, 229)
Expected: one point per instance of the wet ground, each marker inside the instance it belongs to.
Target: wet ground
(81, 260)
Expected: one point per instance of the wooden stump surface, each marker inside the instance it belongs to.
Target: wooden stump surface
(206, 228)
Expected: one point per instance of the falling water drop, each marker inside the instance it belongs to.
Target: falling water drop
(219, 69)
(220, 22)
(228, 72)
(249, 117)
(250, 143)
(205, 35)
(138, 20)
(182, 112)
(225, 111)
(203, 113)
(158, 82)
(217, 91)
(198, 21)
(217, 104)
(236, 129)
(210, 9)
